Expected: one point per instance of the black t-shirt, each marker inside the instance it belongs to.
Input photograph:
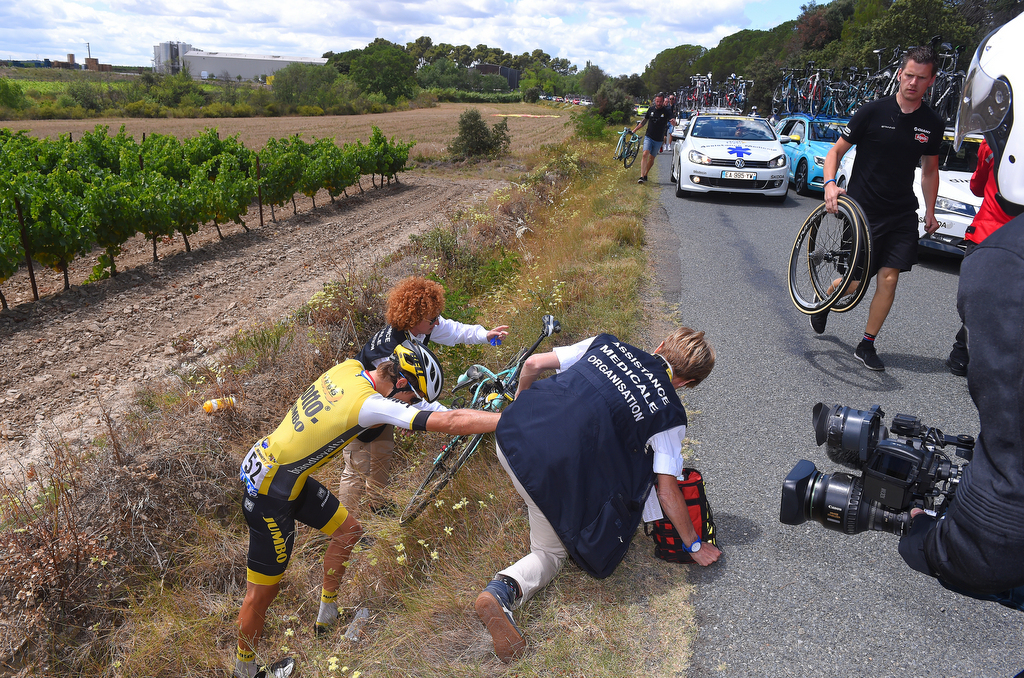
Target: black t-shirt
(657, 122)
(889, 146)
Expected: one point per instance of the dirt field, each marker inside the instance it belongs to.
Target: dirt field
(430, 128)
(62, 356)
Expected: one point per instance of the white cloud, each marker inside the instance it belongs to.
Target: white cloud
(621, 36)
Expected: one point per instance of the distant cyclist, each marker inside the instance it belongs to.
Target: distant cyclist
(341, 404)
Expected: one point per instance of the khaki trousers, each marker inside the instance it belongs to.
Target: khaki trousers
(534, 571)
(367, 469)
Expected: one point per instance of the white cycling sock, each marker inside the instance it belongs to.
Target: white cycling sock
(328, 607)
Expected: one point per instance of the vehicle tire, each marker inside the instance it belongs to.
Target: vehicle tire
(631, 152)
(826, 257)
(800, 178)
(841, 182)
(680, 191)
(454, 455)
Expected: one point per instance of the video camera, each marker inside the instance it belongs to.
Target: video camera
(902, 469)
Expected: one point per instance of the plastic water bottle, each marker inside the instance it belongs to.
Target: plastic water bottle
(355, 629)
(211, 406)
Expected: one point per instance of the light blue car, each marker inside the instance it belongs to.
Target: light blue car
(810, 140)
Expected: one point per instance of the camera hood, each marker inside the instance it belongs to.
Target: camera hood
(850, 433)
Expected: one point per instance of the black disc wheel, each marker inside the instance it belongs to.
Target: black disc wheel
(829, 253)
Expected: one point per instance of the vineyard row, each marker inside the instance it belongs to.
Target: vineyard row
(60, 199)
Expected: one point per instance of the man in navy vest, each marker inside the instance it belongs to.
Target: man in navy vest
(584, 448)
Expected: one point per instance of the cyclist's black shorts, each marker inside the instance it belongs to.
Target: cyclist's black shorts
(893, 241)
(272, 527)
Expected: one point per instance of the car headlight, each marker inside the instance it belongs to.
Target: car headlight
(698, 158)
(778, 161)
(819, 160)
(954, 206)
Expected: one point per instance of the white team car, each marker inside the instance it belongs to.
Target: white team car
(955, 206)
(729, 153)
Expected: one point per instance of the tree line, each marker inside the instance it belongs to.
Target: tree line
(856, 33)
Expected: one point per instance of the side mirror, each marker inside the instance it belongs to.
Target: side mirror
(795, 138)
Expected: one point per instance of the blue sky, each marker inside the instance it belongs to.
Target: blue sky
(621, 36)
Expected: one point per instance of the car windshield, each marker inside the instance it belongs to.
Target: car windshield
(732, 128)
(825, 131)
(966, 160)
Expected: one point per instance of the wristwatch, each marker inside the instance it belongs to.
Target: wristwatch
(694, 547)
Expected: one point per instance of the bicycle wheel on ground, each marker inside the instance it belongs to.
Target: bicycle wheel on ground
(826, 257)
(454, 455)
(631, 151)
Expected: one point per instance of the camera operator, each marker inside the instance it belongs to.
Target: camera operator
(977, 547)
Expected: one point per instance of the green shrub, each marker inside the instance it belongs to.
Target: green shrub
(218, 109)
(309, 110)
(11, 95)
(143, 109)
(589, 124)
(476, 140)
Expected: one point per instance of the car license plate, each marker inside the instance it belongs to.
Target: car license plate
(748, 176)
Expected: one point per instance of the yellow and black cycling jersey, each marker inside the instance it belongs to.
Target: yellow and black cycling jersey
(337, 407)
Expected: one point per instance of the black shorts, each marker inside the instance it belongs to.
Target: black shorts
(272, 527)
(893, 241)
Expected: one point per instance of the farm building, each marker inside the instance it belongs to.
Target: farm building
(229, 66)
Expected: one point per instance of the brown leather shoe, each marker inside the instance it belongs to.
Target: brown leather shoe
(509, 643)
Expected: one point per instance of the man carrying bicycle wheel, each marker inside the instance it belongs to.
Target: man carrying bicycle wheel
(891, 135)
(657, 119)
(583, 449)
(279, 491)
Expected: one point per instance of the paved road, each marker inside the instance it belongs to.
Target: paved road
(806, 601)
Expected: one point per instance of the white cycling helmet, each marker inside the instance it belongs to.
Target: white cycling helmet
(987, 106)
(420, 367)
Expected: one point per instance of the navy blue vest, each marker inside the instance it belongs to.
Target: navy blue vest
(577, 442)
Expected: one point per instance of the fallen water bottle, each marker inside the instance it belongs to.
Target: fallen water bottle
(355, 628)
(218, 404)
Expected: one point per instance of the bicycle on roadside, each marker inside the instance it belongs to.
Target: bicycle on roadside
(627, 148)
(488, 391)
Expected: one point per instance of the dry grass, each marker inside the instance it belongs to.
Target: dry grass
(430, 128)
(566, 240)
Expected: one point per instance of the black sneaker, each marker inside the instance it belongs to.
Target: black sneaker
(956, 367)
(494, 607)
(866, 354)
(642, 180)
(818, 321)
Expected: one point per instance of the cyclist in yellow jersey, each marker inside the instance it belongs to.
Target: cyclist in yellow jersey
(343, 402)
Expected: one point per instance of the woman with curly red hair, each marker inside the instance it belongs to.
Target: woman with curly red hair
(413, 312)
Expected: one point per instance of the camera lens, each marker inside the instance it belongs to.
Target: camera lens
(834, 501)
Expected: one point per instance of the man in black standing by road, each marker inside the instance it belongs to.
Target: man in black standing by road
(657, 119)
(891, 135)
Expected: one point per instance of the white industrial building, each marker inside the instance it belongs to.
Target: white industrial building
(167, 57)
(229, 66)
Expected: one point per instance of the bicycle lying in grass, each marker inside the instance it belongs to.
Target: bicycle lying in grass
(627, 148)
(488, 391)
